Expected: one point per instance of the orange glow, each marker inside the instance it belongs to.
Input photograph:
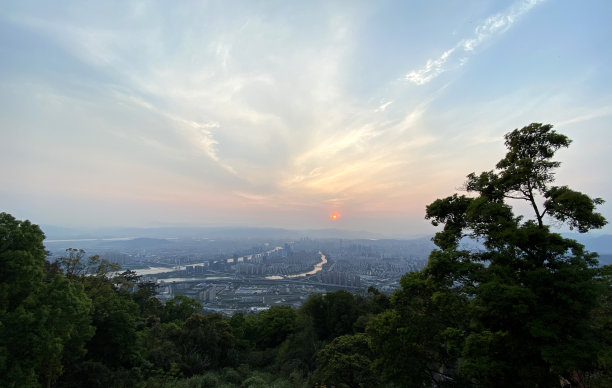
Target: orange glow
(334, 216)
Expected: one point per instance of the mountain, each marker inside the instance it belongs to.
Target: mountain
(219, 233)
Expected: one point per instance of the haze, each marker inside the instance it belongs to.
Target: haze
(280, 114)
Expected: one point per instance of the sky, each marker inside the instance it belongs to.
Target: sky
(281, 113)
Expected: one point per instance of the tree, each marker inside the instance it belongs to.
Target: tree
(522, 301)
(180, 308)
(22, 259)
(602, 320)
(346, 362)
(114, 313)
(418, 340)
(64, 318)
(297, 354)
(74, 266)
(274, 325)
(44, 317)
(207, 341)
(116, 319)
(333, 314)
(160, 346)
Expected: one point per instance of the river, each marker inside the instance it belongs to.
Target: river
(317, 268)
(160, 270)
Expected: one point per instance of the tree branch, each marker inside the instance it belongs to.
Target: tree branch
(534, 205)
(513, 197)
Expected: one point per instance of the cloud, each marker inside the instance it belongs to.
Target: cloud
(285, 116)
(218, 111)
(432, 69)
(494, 25)
(200, 134)
(590, 114)
(383, 106)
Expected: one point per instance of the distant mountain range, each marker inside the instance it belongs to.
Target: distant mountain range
(601, 244)
(60, 233)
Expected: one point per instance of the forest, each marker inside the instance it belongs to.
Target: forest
(529, 308)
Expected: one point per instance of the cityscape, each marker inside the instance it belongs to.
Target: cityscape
(230, 275)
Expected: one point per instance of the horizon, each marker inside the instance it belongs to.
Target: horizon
(119, 232)
(185, 231)
(145, 115)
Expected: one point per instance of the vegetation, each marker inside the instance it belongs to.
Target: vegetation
(527, 308)
(516, 312)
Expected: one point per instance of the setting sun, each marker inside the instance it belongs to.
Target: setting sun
(334, 216)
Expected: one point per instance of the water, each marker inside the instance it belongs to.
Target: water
(317, 268)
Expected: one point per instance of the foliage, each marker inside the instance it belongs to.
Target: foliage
(514, 313)
(44, 318)
(207, 342)
(22, 258)
(602, 320)
(180, 308)
(270, 328)
(333, 314)
(416, 341)
(346, 362)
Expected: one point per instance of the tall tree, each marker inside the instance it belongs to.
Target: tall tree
(526, 295)
(44, 317)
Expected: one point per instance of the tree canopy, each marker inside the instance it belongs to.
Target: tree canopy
(44, 318)
(514, 312)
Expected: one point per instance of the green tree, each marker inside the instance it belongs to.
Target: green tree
(75, 266)
(332, 314)
(274, 325)
(116, 319)
(297, 354)
(44, 317)
(207, 341)
(346, 362)
(114, 314)
(239, 329)
(160, 346)
(602, 319)
(522, 301)
(418, 340)
(149, 305)
(180, 308)
(22, 260)
(537, 290)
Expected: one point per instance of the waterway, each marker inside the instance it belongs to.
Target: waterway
(317, 268)
(160, 270)
(203, 278)
(157, 270)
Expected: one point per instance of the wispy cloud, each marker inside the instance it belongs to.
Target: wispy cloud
(214, 112)
(432, 69)
(458, 55)
(590, 114)
(383, 106)
(199, 133)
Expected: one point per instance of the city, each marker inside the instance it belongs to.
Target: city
(229, 275)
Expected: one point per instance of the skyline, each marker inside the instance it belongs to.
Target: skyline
(280, 114)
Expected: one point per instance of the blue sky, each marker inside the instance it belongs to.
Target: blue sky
(278, 113)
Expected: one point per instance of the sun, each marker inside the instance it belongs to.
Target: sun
(334, 216)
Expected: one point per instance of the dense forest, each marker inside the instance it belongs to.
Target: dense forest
(527, 309)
